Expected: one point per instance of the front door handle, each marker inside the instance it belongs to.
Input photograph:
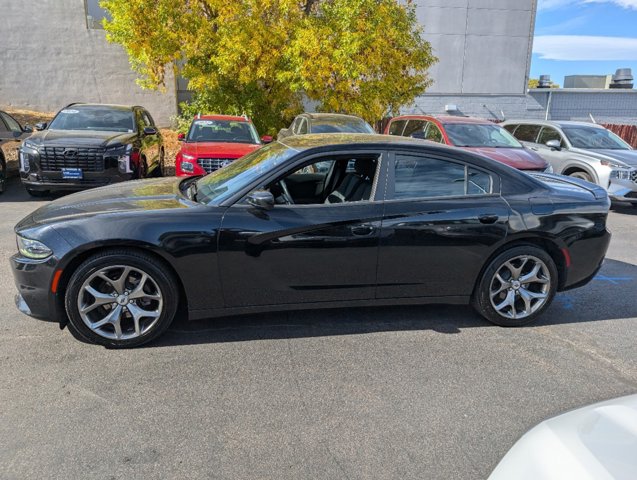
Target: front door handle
(488, 218)
(362, 230)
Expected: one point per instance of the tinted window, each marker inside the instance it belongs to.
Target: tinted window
(478, 182)
(11, 123)
(3, 127)
(527, 133)
(433, 133)
(108, 119)
(420, 177)
(396, 128)
(148, 121)
(549, 134)
(302, 127)
(415, 129)
(340, 124)
(510, 128)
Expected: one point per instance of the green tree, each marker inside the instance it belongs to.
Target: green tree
(535, 82)
(261, 57)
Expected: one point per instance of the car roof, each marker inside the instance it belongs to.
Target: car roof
(554, 123)
(232, 118)
(445, 119)
(108, 105)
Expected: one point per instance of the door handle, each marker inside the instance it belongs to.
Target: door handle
(488, 218)
(362, 230)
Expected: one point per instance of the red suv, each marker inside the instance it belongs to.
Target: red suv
(474, 134)
(214, 141)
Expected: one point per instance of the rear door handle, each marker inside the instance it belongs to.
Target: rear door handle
(362, 230)
(488, 218)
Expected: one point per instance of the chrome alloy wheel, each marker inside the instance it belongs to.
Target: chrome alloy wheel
(520, 287)
(120, 302)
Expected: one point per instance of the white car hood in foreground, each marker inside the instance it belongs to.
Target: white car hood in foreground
(598, 442)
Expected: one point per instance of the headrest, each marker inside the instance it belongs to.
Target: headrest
(365, 167)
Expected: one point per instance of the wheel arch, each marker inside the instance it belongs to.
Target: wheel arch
(578, 167)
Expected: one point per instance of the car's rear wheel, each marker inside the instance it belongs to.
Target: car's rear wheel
(517, 286)
(582, 176)
(121, 299)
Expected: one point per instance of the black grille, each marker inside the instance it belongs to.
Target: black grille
(212, 164)
(54, 159)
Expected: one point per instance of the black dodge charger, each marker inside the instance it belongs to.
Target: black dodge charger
(318, 221)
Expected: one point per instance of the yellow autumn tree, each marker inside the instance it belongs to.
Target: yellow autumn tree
(264, 57)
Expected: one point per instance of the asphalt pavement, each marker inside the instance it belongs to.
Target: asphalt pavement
(385, 393)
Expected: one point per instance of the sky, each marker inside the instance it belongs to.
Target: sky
(593, 37)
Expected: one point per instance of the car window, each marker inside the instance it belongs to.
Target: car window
(548, 134)
(510, 128)
(415, 129)
(341, 124)
(433, 133)
(302, 127)
(295, 125)
(594, 138)
(527, 133)
(148, 121)
(95, 117)
(480, 135)
(3, 127)
(11, 123)
(396, 128)
(222, 131)
(422, 177)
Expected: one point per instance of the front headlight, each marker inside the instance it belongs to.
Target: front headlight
(33, 249)
(122, 156)
(28, 154)
(613, 164)
(549, 169)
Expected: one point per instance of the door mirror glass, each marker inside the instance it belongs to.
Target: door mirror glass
(181, 137)
(266, 139)
(554, 145)
(150, 131)
(261, 199)
(40, 126)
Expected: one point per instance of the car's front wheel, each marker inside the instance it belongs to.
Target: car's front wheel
(121, 299)
(517, 286)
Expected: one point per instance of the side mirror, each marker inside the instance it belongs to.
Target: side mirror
(150, 131)
(181, 137)
(27, 128)
(266, 139)
(41, 126)
(554, 144)
(261, 199)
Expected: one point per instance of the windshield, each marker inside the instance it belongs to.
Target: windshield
(476, 135)
(226, 131)
(594, 138)
(107, 119)
(222, 183)
(341, 124)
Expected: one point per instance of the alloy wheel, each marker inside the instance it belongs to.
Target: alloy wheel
(520, 287)
(120, 302)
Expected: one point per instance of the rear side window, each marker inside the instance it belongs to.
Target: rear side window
(527, 133)
(510, 128)
(396, 128)
(422, 177)
(415, 129)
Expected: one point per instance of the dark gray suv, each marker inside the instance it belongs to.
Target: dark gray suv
(11, 136)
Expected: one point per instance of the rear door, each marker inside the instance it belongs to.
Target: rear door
(442, 219)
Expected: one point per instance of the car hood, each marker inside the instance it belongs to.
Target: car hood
(138, 195)
(64, 138)
(629, 157)
(219, 149)
(520, 158)
(591, 443)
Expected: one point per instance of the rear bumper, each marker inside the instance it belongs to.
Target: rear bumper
(587, 255)
(33, 280)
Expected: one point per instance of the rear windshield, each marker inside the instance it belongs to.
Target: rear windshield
(107, 119)
(225, 131)
(476, 135)
(342, 125)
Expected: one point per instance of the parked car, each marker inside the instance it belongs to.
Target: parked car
(90, 145)
(591, 443)
(583, 150)
(390, 221)
(11, 136)
(308, 123)
(214, 141)
(473, 134)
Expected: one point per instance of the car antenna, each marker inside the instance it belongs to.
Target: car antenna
(199, 116)
(592, 119)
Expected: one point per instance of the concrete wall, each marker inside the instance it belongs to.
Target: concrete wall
(484, 46)
(49, 58)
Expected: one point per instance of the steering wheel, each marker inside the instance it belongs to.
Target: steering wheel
(286, 193)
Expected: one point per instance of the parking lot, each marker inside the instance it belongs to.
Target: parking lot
(401, 392)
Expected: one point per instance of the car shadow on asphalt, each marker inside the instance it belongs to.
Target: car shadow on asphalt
(623, 208)
(611, 295)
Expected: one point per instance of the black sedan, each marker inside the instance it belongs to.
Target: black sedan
(387, 220)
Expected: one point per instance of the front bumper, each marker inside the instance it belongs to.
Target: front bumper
(622, 190)
(43, 181)
(33, 279)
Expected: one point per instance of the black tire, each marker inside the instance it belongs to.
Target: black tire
(581, 175)
(3, 174)
(482, 295)
(157, 272)
(37, 193)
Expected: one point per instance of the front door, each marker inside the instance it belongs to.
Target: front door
(441, 221)
(319, 243)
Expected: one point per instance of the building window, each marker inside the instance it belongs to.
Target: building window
(94, 14)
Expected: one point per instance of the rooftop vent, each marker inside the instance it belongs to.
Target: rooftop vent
(545, 81)
(623, 78)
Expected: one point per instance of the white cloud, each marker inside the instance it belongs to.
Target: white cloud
(554, 4)
(585, 47)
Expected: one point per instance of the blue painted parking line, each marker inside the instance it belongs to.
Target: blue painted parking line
(613, 280)
(565, 301)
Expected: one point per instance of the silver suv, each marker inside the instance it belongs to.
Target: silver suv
(583, 150)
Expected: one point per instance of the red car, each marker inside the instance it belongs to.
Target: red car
(214, 141)
(473, 134)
